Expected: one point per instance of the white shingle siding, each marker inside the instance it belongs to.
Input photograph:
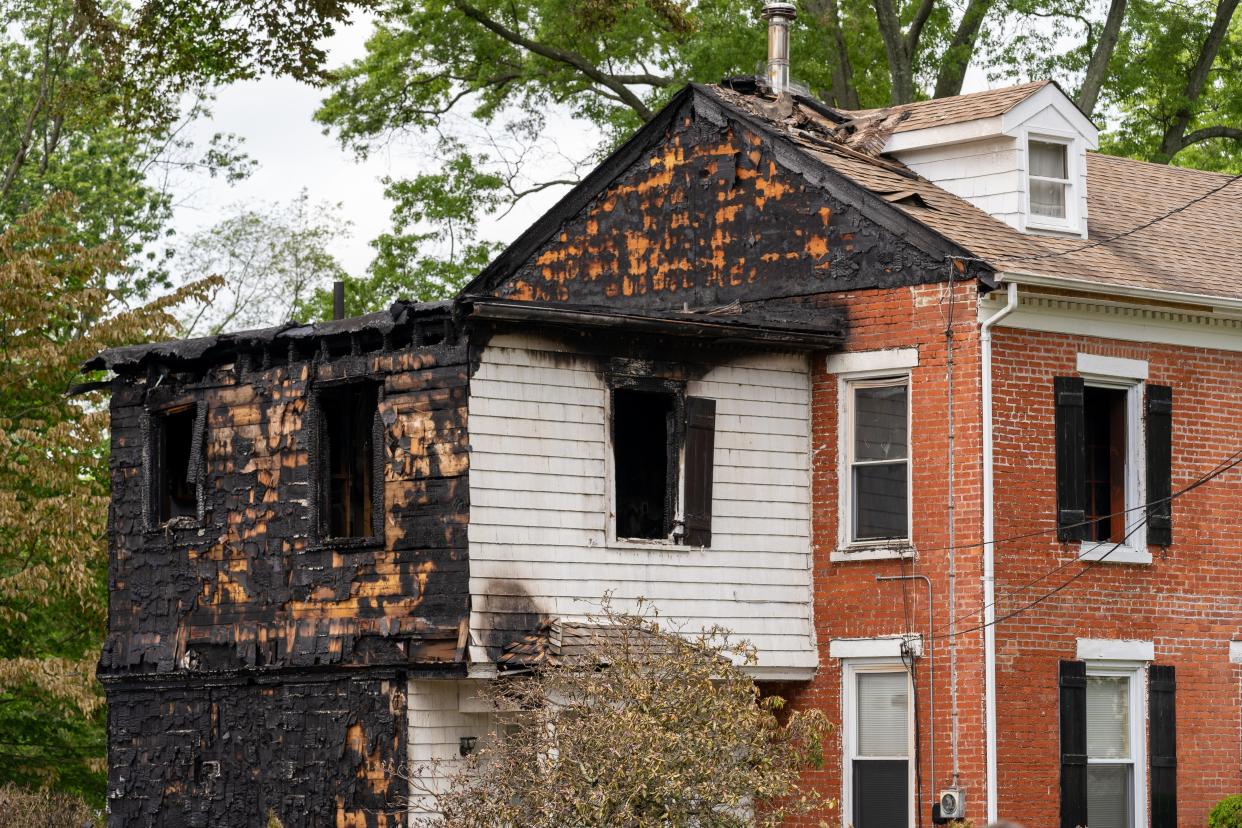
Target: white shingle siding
(539, 501)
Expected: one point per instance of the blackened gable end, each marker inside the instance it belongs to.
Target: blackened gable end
(705, 207)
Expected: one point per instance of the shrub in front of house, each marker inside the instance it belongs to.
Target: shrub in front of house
(1227, 813)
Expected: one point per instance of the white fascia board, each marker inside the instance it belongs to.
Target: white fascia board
(947, 134)
(1099, 365)
(887, 646)
(1105, 290)
(1051, 96)
(1113, 649)
(1235, 652)
(855, 362)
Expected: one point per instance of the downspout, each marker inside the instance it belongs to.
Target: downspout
(989, 558)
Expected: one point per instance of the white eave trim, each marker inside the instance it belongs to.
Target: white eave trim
(1107, 291)
(887, 646)
(1113, 649)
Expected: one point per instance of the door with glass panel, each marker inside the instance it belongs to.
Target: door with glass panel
(880, 753)
(1111, 751)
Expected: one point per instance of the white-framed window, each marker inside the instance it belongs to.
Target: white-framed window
(1116, 764)
(1115, 459)
(875, 447)
(877, 772)
(1053, 180)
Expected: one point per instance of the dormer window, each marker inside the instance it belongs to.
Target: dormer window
(1049, 180)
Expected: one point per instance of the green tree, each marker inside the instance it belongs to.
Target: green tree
(270, 262)
(54, 482)
(641, 727)
(1161, 75)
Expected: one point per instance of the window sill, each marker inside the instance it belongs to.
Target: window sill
(345, 544)
(632, 544)
(177, 524)
(1091, 551)
(874, 552)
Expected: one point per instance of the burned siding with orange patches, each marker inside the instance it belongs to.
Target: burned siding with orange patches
(250, 663)
(713, 212)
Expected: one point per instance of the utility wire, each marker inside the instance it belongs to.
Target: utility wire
(1001, 260)
(1121, 235)
(1049, 530)
(1232, 462)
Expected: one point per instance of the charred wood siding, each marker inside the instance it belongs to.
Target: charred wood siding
(312, 752)
(713, 213)
(250, 592)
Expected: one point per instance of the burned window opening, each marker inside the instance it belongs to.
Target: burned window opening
(644, 462)
(347, 461)
(175, 472)
(1104, 416)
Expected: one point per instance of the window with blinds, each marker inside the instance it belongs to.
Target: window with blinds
(880, 761)
(878, 452)
(1110, 752)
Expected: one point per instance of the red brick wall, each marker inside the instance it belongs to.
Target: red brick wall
(1188, 601)
(849, 602)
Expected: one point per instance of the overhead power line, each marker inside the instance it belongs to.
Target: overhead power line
(1233, 461)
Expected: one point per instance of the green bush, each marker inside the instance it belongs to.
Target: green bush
(25, 808)
(1227, 813)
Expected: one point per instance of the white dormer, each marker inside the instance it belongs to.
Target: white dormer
(1018, 153)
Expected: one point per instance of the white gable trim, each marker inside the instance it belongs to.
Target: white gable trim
(1051, 96)
(1112, 649)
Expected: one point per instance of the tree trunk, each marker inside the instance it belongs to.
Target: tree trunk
(901, 47)
(1097, 69)
(843, 92)
(962, 48)
(1174, 139)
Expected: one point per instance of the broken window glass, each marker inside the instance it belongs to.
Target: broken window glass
(348, 465)
(643, 435)
(176, 492)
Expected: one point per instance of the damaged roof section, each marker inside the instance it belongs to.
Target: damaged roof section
(360, 334)
(560, 643)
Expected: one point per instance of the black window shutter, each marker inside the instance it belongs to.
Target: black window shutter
(1162, 736)
(1159, 465)
(1071, 459)
(700, 448)
(1073, 744)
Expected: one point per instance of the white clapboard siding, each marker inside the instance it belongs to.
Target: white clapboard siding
(539, 493)
(436, 726)
(987, 173)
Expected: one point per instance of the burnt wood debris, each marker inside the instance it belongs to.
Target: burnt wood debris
(261, 633)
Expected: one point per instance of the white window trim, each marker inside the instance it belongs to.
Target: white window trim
(887, 548)
(850, 668)
(1116, 649)
(1134, 550)
(611, 540)
(1136, 672)
(1073, 191)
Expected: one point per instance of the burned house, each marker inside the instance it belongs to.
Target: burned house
(772, 366)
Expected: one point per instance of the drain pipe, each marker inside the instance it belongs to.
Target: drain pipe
(989, 557)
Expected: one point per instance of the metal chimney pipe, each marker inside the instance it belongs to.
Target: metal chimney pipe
(338, 300)
(779, 16)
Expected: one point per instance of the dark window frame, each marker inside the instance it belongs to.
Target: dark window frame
(320, 486)
(156, 506)
(674, 444)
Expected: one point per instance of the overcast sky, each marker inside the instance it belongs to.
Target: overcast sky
(274, 116)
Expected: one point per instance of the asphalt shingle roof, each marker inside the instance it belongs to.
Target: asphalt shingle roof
(1196, 251)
